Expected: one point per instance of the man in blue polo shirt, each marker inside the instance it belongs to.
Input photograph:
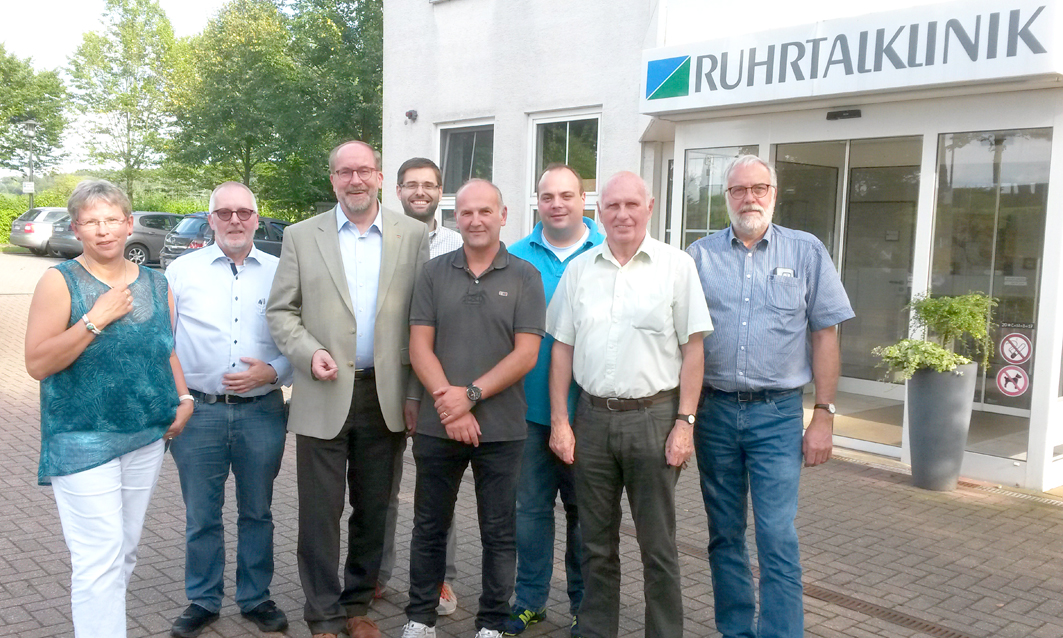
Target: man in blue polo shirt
(776, 300)
(561, 235)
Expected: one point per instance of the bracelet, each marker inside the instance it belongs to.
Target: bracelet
(183, 397)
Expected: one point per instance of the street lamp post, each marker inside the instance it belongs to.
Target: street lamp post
(31, 133)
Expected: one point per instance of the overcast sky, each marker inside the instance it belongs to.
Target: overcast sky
(50, 30)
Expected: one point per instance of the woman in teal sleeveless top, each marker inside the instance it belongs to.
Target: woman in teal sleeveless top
(100, 340)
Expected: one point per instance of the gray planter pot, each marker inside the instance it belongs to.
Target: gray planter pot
(939, 416)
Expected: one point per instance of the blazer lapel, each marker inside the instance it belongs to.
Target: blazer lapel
(328, 242)
(390, 257)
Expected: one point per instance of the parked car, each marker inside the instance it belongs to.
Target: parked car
(194, 232)
(143, 246)
(33, 228)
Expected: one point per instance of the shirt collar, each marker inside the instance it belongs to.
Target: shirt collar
(769, 236)
(501, 259)
(341, 221)
(648, 249)
(592, 229)
(215, 253)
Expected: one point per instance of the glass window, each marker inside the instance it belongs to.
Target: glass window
(572, 142)
(704, 205)
(810, 187)
(467, 153)
(989, 234)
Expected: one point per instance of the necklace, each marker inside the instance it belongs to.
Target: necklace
(122, 277)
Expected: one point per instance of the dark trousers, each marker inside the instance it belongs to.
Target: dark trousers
(440, 466)
(363, 453)
(617, 451)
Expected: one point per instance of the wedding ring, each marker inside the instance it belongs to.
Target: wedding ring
(445, 415)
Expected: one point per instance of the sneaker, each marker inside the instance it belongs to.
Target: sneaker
(521, 619)
(414, 629)
(267, 617)
(575, 632)
(488, 633)
(448, 602)
(192, 621)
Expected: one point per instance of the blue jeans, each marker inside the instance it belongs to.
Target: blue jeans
(440, 465)
(752, 448)
(249, 438)
(542, 476)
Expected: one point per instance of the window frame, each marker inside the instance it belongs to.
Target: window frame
(553, 117)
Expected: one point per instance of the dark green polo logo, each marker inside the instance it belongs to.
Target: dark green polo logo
(668, 78)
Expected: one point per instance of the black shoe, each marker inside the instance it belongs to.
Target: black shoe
(267, 616)
(192, 621)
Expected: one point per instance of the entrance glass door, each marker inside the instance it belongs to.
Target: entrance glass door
(859, 197)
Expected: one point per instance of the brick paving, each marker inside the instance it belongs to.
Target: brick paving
(877, 553)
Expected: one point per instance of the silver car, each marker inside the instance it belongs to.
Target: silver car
(143, 246)
(33, 228)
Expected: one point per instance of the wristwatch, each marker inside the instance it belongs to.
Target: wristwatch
(689, 418)
(91, 327)
(474, 393)
(829, 407)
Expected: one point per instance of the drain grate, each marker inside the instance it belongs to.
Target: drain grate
(891, 616)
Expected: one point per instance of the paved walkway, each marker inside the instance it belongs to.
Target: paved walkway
(881, 558)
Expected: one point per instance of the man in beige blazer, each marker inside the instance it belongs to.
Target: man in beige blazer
(339, 311)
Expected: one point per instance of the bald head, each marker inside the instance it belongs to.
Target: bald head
(625, 208)
(224, 187)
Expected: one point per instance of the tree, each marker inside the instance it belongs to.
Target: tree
(119, 77)
(28, 95)
(240, 100)
(339, 46)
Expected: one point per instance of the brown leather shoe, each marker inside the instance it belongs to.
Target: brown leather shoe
(362, 627)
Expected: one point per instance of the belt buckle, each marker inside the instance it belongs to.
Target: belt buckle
(231, 399)
(609, 404)
(744, 396)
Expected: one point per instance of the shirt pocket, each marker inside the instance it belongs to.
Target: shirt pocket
(784, 293)
(652, 313)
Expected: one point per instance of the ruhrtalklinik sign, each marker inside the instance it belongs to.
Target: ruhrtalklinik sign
(936, 45)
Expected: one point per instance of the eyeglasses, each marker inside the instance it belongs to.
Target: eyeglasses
(425, 186)
(758, 190)
(110, 224)
(226, 214)
(364, 173)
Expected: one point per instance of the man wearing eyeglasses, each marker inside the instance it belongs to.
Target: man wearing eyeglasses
(234, 373)
(419, 187)
(776, 300)
(339, 310)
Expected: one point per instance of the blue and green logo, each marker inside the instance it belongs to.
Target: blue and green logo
(668, 78)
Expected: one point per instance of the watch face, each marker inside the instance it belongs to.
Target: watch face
(473, 393)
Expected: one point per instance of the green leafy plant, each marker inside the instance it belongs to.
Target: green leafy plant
(963, 321)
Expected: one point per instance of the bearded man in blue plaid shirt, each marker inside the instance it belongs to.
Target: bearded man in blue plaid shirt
(776, 299)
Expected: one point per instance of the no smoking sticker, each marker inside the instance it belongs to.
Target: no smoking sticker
(1013, 381)
(1016, 348)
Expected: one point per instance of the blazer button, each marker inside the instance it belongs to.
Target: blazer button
(350, 364)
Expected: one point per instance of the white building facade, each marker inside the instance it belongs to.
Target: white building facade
(916, 143)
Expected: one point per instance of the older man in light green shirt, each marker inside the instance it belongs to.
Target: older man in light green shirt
(628, 318)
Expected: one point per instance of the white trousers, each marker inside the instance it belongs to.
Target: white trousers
(102, 512)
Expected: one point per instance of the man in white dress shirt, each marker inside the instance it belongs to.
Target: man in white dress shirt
(234, 371)
(628, 319)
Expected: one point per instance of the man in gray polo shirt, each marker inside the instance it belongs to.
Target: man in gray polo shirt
(476, 321)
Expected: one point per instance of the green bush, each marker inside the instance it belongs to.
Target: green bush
(908, 355)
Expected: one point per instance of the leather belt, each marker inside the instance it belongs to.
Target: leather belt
(364, 373)
(624, 405)
(750, 396)
(231, 399)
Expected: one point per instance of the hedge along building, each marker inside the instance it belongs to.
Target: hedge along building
(917, 144)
